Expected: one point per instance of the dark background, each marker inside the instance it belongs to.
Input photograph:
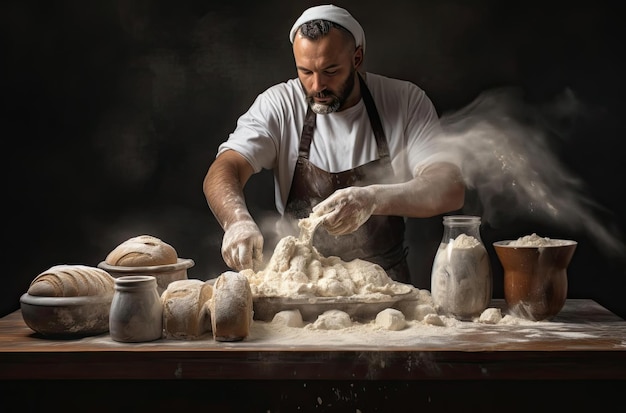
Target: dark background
(113, 111)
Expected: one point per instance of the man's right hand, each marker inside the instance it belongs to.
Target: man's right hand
(242, 246)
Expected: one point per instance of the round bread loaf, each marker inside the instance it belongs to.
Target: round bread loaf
(140, 251)
(72, 281)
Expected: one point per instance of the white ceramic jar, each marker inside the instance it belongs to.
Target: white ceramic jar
(136, 313)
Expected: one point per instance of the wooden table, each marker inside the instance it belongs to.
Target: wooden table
(584, 346)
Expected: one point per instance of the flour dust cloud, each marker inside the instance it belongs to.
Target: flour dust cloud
(507, 152)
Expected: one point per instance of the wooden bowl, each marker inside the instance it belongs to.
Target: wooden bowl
(535, 277)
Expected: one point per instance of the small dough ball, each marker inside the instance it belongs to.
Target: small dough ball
(433, 319)
(331, 320)
(391, 319)
(288, 318)
(140, 251)
(490, 316)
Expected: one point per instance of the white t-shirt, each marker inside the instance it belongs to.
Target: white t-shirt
(268, 134)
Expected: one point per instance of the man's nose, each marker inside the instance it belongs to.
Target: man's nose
(319, 83)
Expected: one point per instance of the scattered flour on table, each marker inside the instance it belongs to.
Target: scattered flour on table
(338, 330)
(391, 328)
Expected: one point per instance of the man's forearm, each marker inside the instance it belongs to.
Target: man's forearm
(436, 190)
(223, 189)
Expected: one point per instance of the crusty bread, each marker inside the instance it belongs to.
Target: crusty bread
(72, 281)
(186, 314)
(143, 250)
(231, 307)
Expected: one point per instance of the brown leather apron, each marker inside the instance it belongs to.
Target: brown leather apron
(381, 238)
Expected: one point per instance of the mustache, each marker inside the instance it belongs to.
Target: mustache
(323, 94)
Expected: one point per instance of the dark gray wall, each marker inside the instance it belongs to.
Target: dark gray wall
(113, 112)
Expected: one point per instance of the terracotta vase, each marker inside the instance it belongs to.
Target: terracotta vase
(535, 278)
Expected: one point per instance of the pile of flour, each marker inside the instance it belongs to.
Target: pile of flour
(535, 240)
(297, 270)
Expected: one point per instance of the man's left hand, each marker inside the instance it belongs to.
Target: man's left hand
(346, 209)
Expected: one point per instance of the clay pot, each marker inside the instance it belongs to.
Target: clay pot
(67, 316)
(535, 277)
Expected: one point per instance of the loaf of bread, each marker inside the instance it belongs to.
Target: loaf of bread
(231, 307)
(186, 314)
(72, 281)
(143, 250)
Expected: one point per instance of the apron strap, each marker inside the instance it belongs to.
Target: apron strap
(377, 126)
(307, 134)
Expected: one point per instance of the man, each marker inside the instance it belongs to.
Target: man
(359, 148)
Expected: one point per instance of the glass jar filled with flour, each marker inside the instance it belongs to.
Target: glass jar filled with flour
(461, 278)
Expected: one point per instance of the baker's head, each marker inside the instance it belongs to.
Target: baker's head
(332, 14)
(328, 47)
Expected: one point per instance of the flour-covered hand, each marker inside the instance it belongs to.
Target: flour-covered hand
(346, 209)
(242, 245)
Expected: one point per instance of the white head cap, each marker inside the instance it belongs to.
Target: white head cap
(334, 14)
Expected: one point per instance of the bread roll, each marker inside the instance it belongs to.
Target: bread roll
(186, 313)
(231, 307)
(143, 250)
(72, 281)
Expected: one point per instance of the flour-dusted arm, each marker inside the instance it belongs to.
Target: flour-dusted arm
(436, 189)
(242, 245)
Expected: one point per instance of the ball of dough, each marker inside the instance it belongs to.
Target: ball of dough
(289, 318)
(143, 250)
(391, 319)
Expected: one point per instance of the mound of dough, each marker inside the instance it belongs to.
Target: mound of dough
(297, 270)
(143, 250)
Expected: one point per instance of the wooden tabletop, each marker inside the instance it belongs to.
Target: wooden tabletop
(584, 341)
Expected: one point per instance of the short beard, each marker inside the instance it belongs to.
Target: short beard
(338, 100)
(322, 109)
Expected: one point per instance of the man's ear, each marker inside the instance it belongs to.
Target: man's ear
(358, 57)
